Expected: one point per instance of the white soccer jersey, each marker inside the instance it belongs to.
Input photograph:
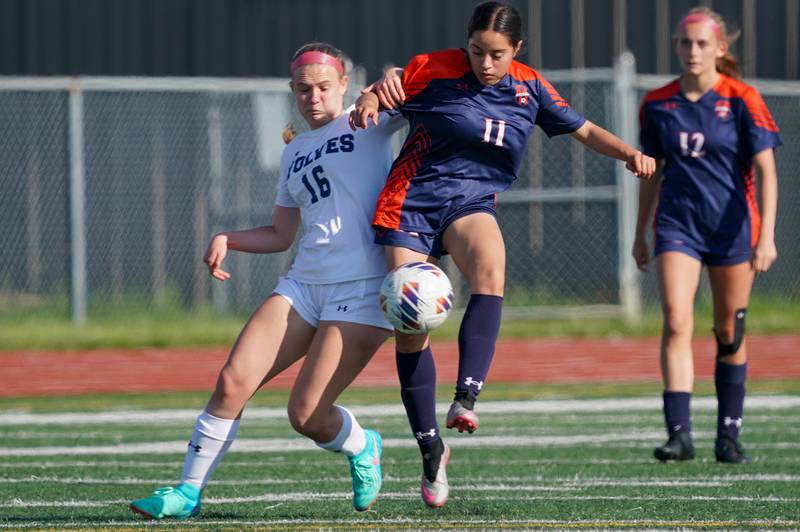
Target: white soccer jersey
(334, 175)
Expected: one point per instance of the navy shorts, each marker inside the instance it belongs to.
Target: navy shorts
(674, 241)
(430, 242)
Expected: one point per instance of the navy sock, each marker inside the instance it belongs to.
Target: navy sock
(417, 373)
(729, 380)
(476, 341)
(676, 411)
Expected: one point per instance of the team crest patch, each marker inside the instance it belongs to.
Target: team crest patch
(522, 95)
(722, 109)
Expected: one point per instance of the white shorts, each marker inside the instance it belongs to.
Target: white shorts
(350, 301)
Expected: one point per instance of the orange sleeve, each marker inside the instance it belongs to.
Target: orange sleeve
(758, 110)
(423, 68)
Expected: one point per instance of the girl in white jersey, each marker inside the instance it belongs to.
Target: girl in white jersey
(325, 309)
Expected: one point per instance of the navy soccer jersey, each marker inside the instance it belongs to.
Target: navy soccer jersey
(707, 200)
(466, 139)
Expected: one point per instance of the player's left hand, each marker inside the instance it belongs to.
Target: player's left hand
(641, 165)
(389, 88)
(764, 255)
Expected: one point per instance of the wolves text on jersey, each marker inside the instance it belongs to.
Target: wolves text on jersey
(343, 143)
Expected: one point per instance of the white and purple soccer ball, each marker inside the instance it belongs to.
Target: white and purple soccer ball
(416, 297)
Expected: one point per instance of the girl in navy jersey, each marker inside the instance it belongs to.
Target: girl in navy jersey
(711, 134)
(325, 310)
(471, 113)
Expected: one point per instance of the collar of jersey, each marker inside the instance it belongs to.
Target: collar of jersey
(504, 82)
(714, 89)
(320, 130)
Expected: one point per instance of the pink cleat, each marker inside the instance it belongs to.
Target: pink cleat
(461, 418)
(435, 493)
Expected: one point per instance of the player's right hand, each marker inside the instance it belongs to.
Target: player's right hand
(366, 110)
(641, 253)
(642, 166)
(215, 254)
(389, 88)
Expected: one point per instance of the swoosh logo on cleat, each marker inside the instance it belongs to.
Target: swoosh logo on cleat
(376, 459)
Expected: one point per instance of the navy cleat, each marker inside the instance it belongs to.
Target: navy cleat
(678, 447)
(730, 451)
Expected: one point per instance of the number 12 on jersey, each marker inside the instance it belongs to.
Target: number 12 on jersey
(697, 139)
(501, 131)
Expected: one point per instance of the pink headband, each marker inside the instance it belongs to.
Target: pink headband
(694, 18)
(316, 58)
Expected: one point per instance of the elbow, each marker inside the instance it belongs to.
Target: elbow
(285, 243)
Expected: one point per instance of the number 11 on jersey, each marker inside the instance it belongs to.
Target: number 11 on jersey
(501, 131)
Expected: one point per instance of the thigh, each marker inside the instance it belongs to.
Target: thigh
(338, 353)
(273, 339)
(678, 279)
(395, 256)
(476, 245)
(730, 289)
(354, 302)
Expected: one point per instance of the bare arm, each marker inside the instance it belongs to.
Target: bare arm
(648, 198)
(606, 143)
(765, 252)
(267, 239)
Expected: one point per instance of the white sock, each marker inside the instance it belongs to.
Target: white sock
(351, 439)
(211, 438)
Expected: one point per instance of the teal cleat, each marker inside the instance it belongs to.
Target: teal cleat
(181, 502)
(365, 468)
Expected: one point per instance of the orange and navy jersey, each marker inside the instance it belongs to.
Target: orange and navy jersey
(708, 192)
(466, 140)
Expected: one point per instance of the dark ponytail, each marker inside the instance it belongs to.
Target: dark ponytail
(498, 17)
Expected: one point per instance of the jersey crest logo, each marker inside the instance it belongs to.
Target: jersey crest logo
(522, 95)
(722, 108)
(670, 106)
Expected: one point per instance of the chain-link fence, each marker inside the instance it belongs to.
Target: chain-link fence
(112, 188)
(783, 279)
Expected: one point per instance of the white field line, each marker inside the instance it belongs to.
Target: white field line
(280, 445)
(549, 406)
(411, 494)
(167, 462)
(267, 445)
(376, 523)
(571, 481)
(502, 483)
(29, 439)
(266, 463)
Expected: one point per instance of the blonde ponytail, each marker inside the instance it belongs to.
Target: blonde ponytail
(289, 133)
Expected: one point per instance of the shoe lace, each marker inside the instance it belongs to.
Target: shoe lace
(166, 490)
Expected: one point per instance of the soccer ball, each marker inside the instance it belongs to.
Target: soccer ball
(416, 297)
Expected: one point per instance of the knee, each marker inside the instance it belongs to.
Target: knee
(410, 343)
(725, 334)
(488, 279)
(730, 333)
(232, 385)
(676, 325)
(302, 419)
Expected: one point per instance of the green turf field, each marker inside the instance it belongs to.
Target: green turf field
(23, 326)
(564, 457)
